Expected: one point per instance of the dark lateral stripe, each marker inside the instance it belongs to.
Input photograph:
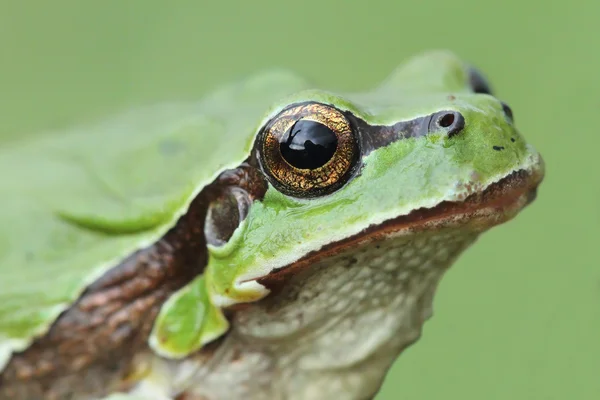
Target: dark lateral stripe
(373, 137)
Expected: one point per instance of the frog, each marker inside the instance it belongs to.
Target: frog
(269, 241)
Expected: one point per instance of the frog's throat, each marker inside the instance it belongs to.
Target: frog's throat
(334, 329)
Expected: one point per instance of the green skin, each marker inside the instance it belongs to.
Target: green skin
(97, 219)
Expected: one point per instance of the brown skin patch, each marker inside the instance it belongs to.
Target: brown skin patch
(190, 396)
(373, 137)
(89, 349)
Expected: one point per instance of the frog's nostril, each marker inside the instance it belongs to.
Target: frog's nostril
(446, 120)
(452, 121)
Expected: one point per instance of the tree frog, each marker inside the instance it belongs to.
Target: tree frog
(271, 241)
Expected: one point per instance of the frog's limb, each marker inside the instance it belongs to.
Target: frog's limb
(187, 321)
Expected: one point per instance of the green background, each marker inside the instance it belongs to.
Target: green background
(518, 317)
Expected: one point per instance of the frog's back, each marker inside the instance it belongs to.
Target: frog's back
(77, 203)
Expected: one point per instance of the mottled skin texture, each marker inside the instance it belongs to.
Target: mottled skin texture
(90, 349)
(93, 342)
(337, 326)
(91, 345)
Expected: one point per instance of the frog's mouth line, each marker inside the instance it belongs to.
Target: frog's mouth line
(496, 204)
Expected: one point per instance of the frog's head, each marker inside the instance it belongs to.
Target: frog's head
(343, 218)
(429, 150)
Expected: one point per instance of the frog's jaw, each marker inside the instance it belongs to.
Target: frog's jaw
(472, 205)
(332, 329)
(498, 203)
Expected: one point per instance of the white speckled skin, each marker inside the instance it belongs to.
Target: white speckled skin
(334, 329)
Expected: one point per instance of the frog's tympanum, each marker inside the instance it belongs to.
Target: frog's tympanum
(272, 241)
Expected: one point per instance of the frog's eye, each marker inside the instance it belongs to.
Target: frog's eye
(478, 82)
(308, 149)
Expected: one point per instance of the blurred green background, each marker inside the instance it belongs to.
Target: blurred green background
(518, 317)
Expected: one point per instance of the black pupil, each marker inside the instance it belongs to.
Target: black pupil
(308, 144)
